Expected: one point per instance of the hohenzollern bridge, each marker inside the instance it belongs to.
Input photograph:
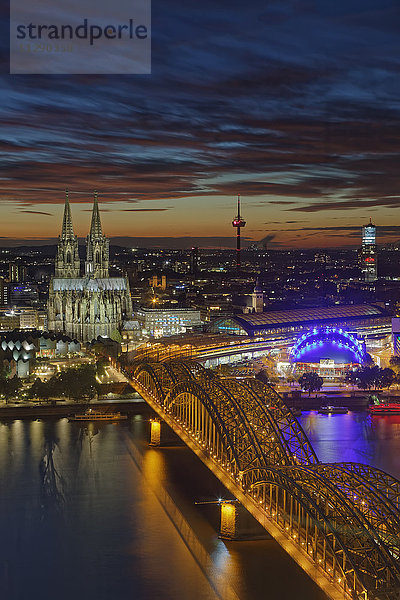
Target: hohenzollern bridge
(339, 521)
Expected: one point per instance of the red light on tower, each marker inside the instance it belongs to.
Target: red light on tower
(238, 222)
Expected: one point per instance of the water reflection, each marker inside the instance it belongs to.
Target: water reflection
(355, 437)
(51, 482)
(89, 511)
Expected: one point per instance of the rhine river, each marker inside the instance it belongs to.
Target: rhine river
(91, 512)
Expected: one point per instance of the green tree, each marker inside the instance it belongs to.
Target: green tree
(116, 336)
(387, 377)
(37, 389)
(11, 388)
(311, 382)
(290, 379)
(262, 376)
(368, 360)
(366, 378)
(101, 366)
(394, 363)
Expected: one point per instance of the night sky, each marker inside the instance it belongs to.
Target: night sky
(293, 104)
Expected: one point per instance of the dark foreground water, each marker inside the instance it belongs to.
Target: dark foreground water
(90, 512)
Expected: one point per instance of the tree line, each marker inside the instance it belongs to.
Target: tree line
(74, 383)
(365, 378)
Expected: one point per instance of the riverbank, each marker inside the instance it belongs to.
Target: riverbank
(133, 405)
(315, 402)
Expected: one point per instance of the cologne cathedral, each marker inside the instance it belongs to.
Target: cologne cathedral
(85, 306)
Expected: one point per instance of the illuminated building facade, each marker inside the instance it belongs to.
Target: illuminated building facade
(329, 351)
(3, 292)
(95, 304)
(159, 322)
(16, 272)
(368, 253)
(396, 335)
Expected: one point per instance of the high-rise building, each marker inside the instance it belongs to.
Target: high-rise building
(16, 272)
(194, 261)
(3, 292)
(95, 304)
(368, 253)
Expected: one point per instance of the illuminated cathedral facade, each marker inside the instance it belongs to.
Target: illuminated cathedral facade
(85, 306)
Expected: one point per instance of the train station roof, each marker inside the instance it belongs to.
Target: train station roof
(335, 315)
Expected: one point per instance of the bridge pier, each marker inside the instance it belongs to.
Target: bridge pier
(238, 524)
(155, 432)
(162, 435)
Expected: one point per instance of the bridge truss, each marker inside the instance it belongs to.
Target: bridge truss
(339, 521)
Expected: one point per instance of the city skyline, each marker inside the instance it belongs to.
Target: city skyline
(293, 106)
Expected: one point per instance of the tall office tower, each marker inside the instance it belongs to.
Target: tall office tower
(238, 222)
(368, 253)
(194, 261)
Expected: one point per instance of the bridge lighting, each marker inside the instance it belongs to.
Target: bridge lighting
(304, 454)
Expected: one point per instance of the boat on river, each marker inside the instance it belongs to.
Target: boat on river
(386, 408)
(96, 415)
(333, 410)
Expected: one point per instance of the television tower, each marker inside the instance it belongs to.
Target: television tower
(238, 222)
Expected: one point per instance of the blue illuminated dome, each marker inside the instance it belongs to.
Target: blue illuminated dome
(328, 343)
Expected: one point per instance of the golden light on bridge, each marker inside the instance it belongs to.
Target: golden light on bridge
(155, 432)
(228, 520)
(296, 499)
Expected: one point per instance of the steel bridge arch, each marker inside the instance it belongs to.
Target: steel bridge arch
(382, 516)
(213, 434)
(375, 566)
(387, 485)
(312, 527)
(378, 558)
(247, 449)
(291, 434)
(244, 428)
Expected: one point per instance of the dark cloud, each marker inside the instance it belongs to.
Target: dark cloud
(348, 204)
(144, 209)
(292, 101)
(36, 212)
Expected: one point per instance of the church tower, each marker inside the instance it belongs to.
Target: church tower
(94, 305)
(257, 298)
(97, 247)
(67, 259)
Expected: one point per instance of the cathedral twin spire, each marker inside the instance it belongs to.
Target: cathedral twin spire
(97, 247)
(95, 226)
(67, 232)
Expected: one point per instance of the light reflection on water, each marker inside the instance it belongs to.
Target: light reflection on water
(89, 511)
(355, 437)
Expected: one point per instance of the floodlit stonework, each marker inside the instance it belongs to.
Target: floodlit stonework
(84, 307)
